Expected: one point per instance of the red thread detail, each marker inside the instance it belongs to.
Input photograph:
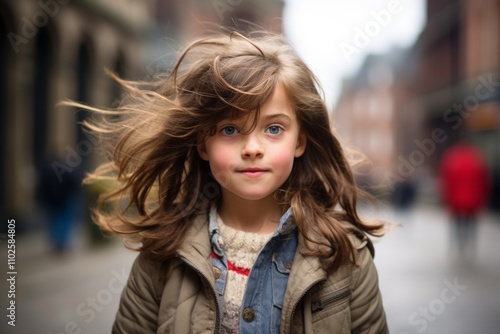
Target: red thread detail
(239, 270)
(232, 266)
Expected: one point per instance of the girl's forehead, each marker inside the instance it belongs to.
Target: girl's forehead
(277, 104)
(242, 116)
(266, 115)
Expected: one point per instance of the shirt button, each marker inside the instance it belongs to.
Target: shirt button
(288, 264)
(216, 272)
(249, 314)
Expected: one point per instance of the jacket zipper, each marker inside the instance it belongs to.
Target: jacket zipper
(300, 298)
(331, 300)
(217, 318)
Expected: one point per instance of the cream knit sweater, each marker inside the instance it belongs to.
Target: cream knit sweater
(241, 249)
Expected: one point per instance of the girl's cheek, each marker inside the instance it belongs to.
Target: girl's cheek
(222, 157)
(283, 160)
(220, 165)
(222, 177)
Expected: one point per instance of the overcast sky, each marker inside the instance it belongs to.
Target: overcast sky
(334, 36)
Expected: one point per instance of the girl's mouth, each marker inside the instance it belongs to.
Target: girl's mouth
(253, 172)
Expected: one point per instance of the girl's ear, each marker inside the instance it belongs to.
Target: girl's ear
(202, 149)
(301, 145)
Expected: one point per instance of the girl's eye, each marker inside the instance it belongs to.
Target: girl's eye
(274, 129)
(229, 130)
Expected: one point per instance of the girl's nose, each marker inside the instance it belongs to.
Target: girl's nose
(252, 147)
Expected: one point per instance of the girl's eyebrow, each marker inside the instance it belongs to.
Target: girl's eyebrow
(279, 115)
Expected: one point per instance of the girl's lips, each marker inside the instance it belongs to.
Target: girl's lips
(253, 172)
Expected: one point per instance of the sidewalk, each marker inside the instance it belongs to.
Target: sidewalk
(425, 286)
(73, 293)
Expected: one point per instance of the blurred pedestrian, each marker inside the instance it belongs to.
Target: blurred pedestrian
(61, 197)
(246, 204)
(465, 184)
(403, 197)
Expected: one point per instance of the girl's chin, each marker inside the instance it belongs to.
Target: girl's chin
(254, 196)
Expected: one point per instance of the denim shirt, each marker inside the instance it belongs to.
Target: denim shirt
(263, 299)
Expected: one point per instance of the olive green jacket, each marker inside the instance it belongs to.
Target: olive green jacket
(345, 300)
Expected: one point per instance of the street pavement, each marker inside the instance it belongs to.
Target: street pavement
(426, 286)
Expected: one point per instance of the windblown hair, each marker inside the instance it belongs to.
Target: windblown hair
(161, 183)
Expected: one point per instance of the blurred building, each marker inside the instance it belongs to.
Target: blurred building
(189, 19)
(366, 110)
(446, 88)
(54, 50)
(456, 85)
(177, 22)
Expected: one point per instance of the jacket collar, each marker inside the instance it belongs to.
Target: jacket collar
(202, 237)
(285, 226)
(306, 269)
(199, 239)
(196, 248)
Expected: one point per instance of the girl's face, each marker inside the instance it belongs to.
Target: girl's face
(254, 165)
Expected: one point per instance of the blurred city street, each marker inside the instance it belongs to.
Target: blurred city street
(424, 286)
(405, 84)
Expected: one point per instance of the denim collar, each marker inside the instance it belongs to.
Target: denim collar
(285, 226)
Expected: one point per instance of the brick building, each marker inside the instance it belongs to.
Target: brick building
(445, 88)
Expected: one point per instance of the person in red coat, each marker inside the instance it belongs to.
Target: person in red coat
(465, 187)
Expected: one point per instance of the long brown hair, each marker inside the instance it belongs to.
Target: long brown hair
(161, 183)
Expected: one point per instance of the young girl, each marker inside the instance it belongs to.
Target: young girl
(239, 198)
